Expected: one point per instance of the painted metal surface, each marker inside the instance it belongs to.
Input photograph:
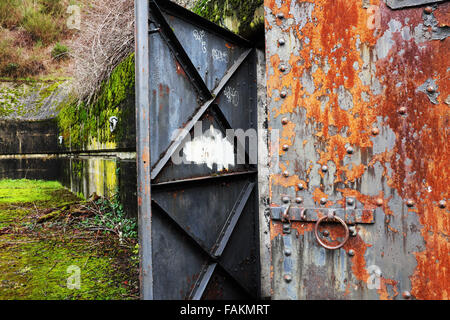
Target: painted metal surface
(358, 98)
(201, 237)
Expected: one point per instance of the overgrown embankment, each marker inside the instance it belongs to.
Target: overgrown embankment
(47, 235)
(33, 37)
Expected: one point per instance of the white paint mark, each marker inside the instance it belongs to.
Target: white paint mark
(210, 148)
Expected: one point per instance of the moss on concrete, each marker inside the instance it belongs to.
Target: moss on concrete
(87, 126)
(30, 100)
(243, 17)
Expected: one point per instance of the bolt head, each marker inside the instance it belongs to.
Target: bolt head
(402, 110)
(353, 231)
(351, 252)
(285, 147)
(428, 10)
(324, 168)
(287, 278)
(287, 252)
(442, 204)
(326, 233)
(280, 15)
(380, 202)
(431, 89)
(281, 42)
(350, 201)
(299, 200)
(284, 121)
(406, 295)
(410, 203)
(323, 201)
(350, 150)
(286, 174)
(283, 94)
(300, 186)
(375, 131)
(283, 68)
(285, 199)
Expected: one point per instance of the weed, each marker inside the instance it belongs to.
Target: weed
(60, 52)
(41, 26)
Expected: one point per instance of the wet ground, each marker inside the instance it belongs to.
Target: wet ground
(56, 258)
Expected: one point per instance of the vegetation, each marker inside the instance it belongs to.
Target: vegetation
(60, 51)
(37, 255)
(28, 31)
(243, 17)
(80, 123)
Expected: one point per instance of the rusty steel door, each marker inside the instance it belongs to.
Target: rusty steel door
(201, 239)
(358, 95)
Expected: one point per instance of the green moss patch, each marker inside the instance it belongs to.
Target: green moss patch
(82, 123)
(242, 17)
(57, 259)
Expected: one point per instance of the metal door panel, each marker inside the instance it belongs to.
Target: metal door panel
(211, 121)
(177, 262)
(212, 55)
(173, 98)
(358, 104)
(200, 212)
(237, 100)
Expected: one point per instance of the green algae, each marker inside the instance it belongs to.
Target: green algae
(37, 261)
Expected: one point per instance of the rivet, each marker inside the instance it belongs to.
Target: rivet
(428, 9)
(323, 201)
(287, 252)
(280, 15)
(442, 204)
(410, 203)
(284, 121)
(287, 278)
(350, 201)
(353, 231)
(380, 202)
(351, 252)
(326, 233)
(283, 94)
(406, 294)
(285, 199)
(286, 173)
(324, 168)
(281, 42)
(299, 199)
(350, 150)
(375, 131)
(402, 110)
(300, 186)
(431, 89)
(285, 147)
(282, 68)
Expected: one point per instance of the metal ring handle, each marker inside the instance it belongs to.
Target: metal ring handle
(316, 232)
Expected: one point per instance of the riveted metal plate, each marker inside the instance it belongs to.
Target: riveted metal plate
(399, 4)
(350, 216)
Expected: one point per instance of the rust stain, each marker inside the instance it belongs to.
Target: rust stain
(416, 165)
